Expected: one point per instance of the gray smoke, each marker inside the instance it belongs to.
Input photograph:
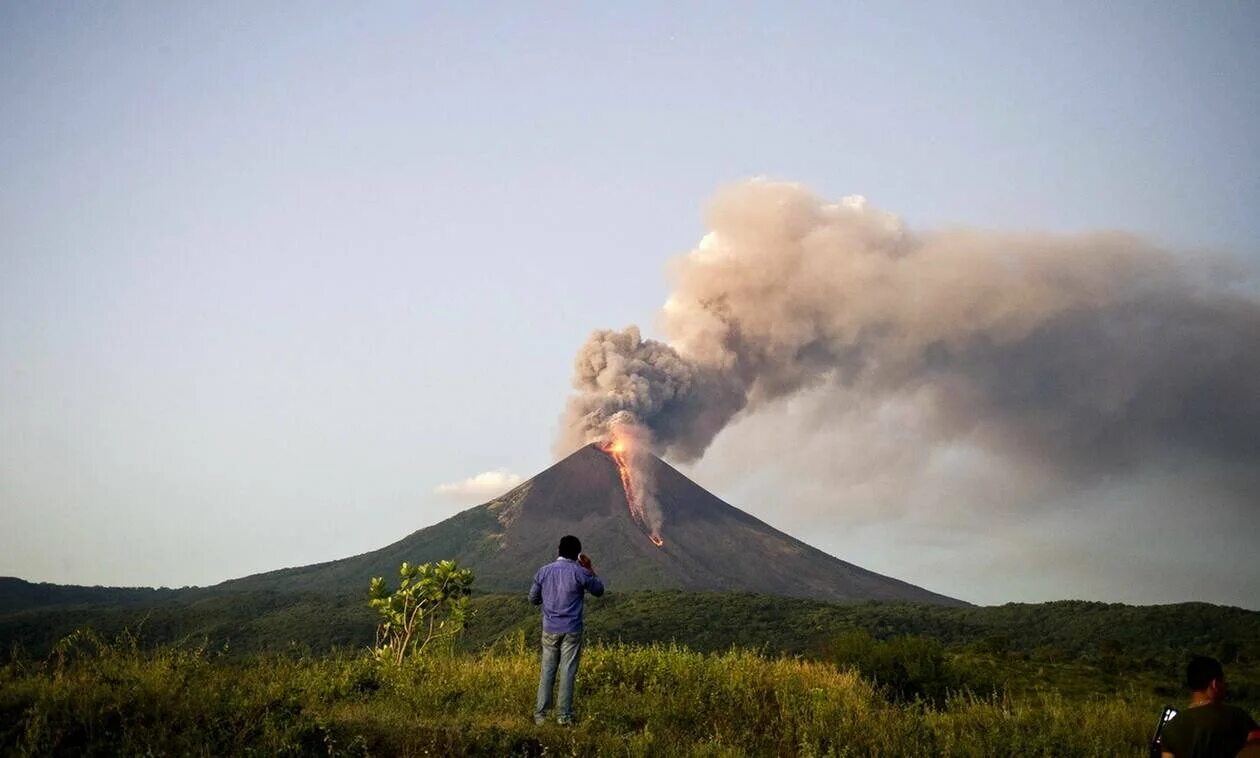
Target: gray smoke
(624, 380)
(1082, 353)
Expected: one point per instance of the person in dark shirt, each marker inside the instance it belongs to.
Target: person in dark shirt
(1208, 728)
(560, 587)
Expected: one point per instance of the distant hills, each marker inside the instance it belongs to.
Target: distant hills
(256, 621)
(18, 594)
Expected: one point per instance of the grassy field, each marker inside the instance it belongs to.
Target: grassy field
(92, 697)
(664, 673)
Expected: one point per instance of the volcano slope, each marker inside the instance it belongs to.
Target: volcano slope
(709, 545)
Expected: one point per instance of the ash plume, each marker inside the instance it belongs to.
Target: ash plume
(624, 381)
(1080, 354)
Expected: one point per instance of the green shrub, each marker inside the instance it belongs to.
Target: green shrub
(430, 605)
(908, 667)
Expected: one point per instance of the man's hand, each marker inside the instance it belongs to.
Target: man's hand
(584, 561)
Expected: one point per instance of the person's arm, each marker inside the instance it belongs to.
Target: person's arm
(535, 590)
(593, 584)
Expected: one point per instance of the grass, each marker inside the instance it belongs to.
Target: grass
(96, 697)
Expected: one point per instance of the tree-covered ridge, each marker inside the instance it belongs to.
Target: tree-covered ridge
(257, 621)
(19, 594)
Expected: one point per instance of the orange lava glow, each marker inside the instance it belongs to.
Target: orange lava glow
(616, 449)
(618, 453)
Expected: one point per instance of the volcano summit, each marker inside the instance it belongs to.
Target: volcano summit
(708, 544)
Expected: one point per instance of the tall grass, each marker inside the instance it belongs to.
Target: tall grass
(96, 698)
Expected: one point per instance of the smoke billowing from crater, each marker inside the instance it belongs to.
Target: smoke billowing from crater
(1079, 353)
(624, 380)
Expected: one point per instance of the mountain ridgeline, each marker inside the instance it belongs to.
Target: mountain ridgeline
(709, 545)
(722, 578)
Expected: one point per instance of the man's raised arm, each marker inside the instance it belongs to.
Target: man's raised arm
(593, 583)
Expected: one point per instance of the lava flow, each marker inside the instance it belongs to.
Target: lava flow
(616, 448)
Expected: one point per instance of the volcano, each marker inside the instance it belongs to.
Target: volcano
(709, 545)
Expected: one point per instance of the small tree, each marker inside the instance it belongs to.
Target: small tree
(431, 602)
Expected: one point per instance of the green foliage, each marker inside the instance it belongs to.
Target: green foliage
(1070, 648)
(431, 603)
(907, 667)
(104, 698)
(1067, 631)
(227, 673)
(99, 697)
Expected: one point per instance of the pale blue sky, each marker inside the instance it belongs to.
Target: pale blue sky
(270, 273)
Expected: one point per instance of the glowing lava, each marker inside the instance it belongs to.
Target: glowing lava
(617, 449)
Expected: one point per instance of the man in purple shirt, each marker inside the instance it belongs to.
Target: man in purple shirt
(559, 587)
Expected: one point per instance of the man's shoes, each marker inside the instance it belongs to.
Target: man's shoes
(562, 720)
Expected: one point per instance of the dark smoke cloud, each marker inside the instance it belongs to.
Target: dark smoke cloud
(1083, 353)
(624, 380)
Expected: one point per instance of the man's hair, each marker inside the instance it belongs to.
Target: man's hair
(570, 547)
(1201, 671)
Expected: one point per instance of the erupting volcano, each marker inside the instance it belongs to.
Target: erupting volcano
(610, 494)
(621, 448)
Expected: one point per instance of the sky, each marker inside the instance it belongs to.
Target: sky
(282, 283)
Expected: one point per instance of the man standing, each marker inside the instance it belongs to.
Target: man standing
(1209, 727)
(559, 587)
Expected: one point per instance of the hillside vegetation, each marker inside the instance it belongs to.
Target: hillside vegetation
(90, 697)
(271, 621)
(1072, 649)
(211, 672)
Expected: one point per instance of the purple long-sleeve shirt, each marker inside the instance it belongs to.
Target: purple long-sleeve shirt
(559, 587)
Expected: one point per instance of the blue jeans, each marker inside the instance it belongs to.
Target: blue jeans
(562, 651)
